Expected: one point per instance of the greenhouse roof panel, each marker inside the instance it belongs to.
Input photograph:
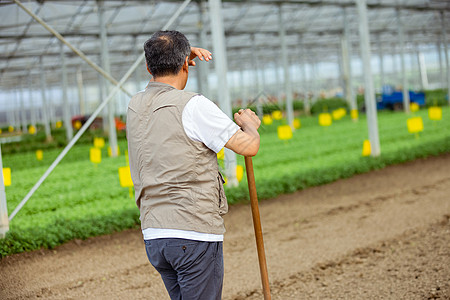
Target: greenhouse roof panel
(314, 24)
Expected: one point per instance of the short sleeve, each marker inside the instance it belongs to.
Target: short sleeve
(204, 122)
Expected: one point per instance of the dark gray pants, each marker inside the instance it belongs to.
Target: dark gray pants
(191, 270)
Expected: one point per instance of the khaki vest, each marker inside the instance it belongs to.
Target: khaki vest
(177, 180)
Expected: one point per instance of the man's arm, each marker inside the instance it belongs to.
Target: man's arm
(246, 140)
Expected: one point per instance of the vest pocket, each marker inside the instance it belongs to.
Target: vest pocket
(164, 106)
(223, 204)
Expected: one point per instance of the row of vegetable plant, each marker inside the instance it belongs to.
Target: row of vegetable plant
(80, 199)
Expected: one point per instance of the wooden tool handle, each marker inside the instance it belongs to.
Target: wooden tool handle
(257, 226)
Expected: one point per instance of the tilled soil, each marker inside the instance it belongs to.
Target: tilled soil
(380, 235)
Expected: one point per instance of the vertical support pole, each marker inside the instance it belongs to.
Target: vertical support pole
(202, 67)
(101, 95)
(296, 81)
(52, 107)
(284, 57)
(66, 108)
(9, 114)
(104, 56)
(381, 60)
(258, 88)
(261, 73)
(81, 91)
(401, 36)
(306, 103)
(254, 62)
(447, 63)
(44, 102)
(31, 101)
(14, 113)
(4, 221)
(441, 71)
(313, 82)
(340, 80)
(23, 113)
(298, 61)
(218, 38)
(369, 92)
(76, 105)
(237, 86)
(422, 69)
(394, 77)
(137, 77)
(18, 117)
(347, 67)
(277, 80)
(106, 66)
(243, 88)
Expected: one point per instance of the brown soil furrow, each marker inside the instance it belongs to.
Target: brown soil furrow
(414, 265)
(374, 235)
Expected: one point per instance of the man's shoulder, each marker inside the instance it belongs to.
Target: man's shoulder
(135, 100)
(190, 94)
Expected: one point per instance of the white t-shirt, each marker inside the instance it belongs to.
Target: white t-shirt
(204, 122)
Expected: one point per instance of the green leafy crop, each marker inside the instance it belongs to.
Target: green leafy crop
(80, 200)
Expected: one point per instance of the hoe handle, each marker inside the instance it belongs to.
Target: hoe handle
(257, 226)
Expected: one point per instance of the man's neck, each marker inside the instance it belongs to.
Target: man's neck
(175, 81)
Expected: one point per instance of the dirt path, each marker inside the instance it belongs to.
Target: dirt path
(385, 234)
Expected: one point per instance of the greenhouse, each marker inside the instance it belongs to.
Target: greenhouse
(344, 89)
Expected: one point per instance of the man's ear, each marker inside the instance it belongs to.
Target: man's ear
(148, 69)
(186, 63)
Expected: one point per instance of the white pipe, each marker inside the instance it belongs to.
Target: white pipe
(66, 108)
(218, 38)
(405, 89)
(4, 222)
(284, 57)
(369, 92)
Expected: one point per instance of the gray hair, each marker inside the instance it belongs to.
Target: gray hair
(165, 52)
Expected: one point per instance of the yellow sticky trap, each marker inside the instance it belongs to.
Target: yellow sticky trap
(239, 172)
(39, 154)
(6, 176)
(415, 124)
(277, 115)
(413, 106)
(58, 124)
(10, 129)
(95, 155)
(226, 180)
(284, 132)
(325, 119)
(99, 142)
(338, 113)
(296, 123)
(335, 114)
(0, 131)
(110, 152)
(267, 120)
(367, 148)
(31, 129)
(435, 113)
(221, 154)
(77, 125)
(354, 114)
(125, 177)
